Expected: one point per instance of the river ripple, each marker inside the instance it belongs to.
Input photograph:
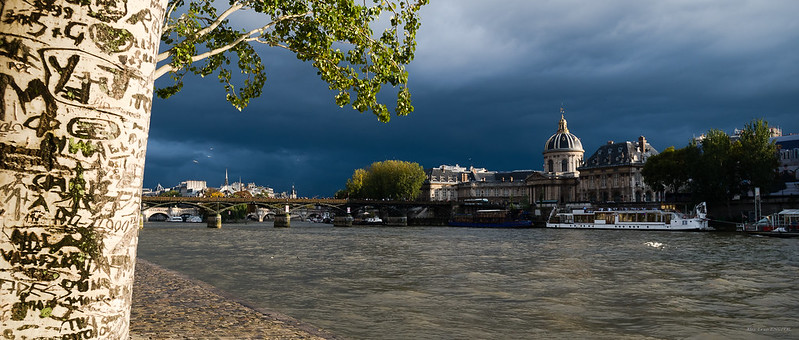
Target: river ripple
(461, 283)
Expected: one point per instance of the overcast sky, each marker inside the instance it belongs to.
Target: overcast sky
(487, 84)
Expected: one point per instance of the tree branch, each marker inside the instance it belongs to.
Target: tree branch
(244, 37)
(168, 15)
(233, 8)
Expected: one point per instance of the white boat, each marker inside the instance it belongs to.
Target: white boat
(194, 219)
(374, 220)
(630, 219)
(782, 224)
(175, 219)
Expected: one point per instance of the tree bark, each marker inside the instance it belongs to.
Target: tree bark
(76, 86)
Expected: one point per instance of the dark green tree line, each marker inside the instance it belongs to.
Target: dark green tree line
(717, 168)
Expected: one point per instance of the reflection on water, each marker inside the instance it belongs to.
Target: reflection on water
(440, 282)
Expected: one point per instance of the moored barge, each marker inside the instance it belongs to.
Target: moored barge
(630, 219)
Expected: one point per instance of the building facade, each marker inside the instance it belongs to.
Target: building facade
(613, 173)
(442, 183)
(192, 188)
(788, 154)
(456, 183)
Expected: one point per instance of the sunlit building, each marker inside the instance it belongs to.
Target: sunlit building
(457, 183)
(563, 155)
(613, 173)
(788, 154)
(192, 188)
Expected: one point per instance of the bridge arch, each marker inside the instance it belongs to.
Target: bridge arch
(157, 217)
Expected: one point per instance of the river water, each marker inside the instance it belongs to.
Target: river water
(464, 283)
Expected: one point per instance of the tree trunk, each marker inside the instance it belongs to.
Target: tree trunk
(76, 85)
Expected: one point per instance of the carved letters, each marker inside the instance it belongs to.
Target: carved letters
(75, 96)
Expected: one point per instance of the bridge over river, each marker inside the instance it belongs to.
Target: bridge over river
(281, 209)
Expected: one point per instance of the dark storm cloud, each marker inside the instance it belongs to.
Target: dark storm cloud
(487, 84)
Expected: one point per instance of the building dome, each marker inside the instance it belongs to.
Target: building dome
(563, 140)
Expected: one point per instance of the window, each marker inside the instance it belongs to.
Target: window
(551, 166)
(564, 165)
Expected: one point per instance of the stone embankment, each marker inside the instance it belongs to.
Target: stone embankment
(168, 305)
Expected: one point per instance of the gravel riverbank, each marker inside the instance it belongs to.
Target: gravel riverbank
(169, 305)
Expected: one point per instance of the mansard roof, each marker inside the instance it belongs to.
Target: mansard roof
(619, 154)
(788, 142)
(516, 175)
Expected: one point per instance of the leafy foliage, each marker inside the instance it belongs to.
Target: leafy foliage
(242, 194)
(391, 179)
(203, 42)
(170, 193)
(718, 168)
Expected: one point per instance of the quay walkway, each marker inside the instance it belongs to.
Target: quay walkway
(168, 305)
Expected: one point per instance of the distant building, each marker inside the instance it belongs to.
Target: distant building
(442, 183)
(788, 154)
(159, 189)
(192, 188)
(613, 173)
(229, 189)
(457, 183)
(563, 155)
(289, 195)
(496, 187)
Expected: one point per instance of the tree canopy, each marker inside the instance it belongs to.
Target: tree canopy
(338, 37)
(391, 179)
(718, 167)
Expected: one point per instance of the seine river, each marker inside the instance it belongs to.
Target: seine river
(461, 283)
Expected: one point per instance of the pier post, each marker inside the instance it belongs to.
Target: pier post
(282, 220)
(401, 221)
(343, 221)
(214, 221)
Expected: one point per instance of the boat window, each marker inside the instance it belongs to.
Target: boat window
(667, 218)
(627, 217)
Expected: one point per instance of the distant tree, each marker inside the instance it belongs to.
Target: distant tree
(756, 155)
(170, 193)
(718, 168)
(341, 194)
(665, 171)
(355, 184)
(236, 213)
(391, 179)
(242, 194)
(210, 192)
(717, 178)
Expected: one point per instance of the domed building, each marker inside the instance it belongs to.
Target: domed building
(563, 154)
